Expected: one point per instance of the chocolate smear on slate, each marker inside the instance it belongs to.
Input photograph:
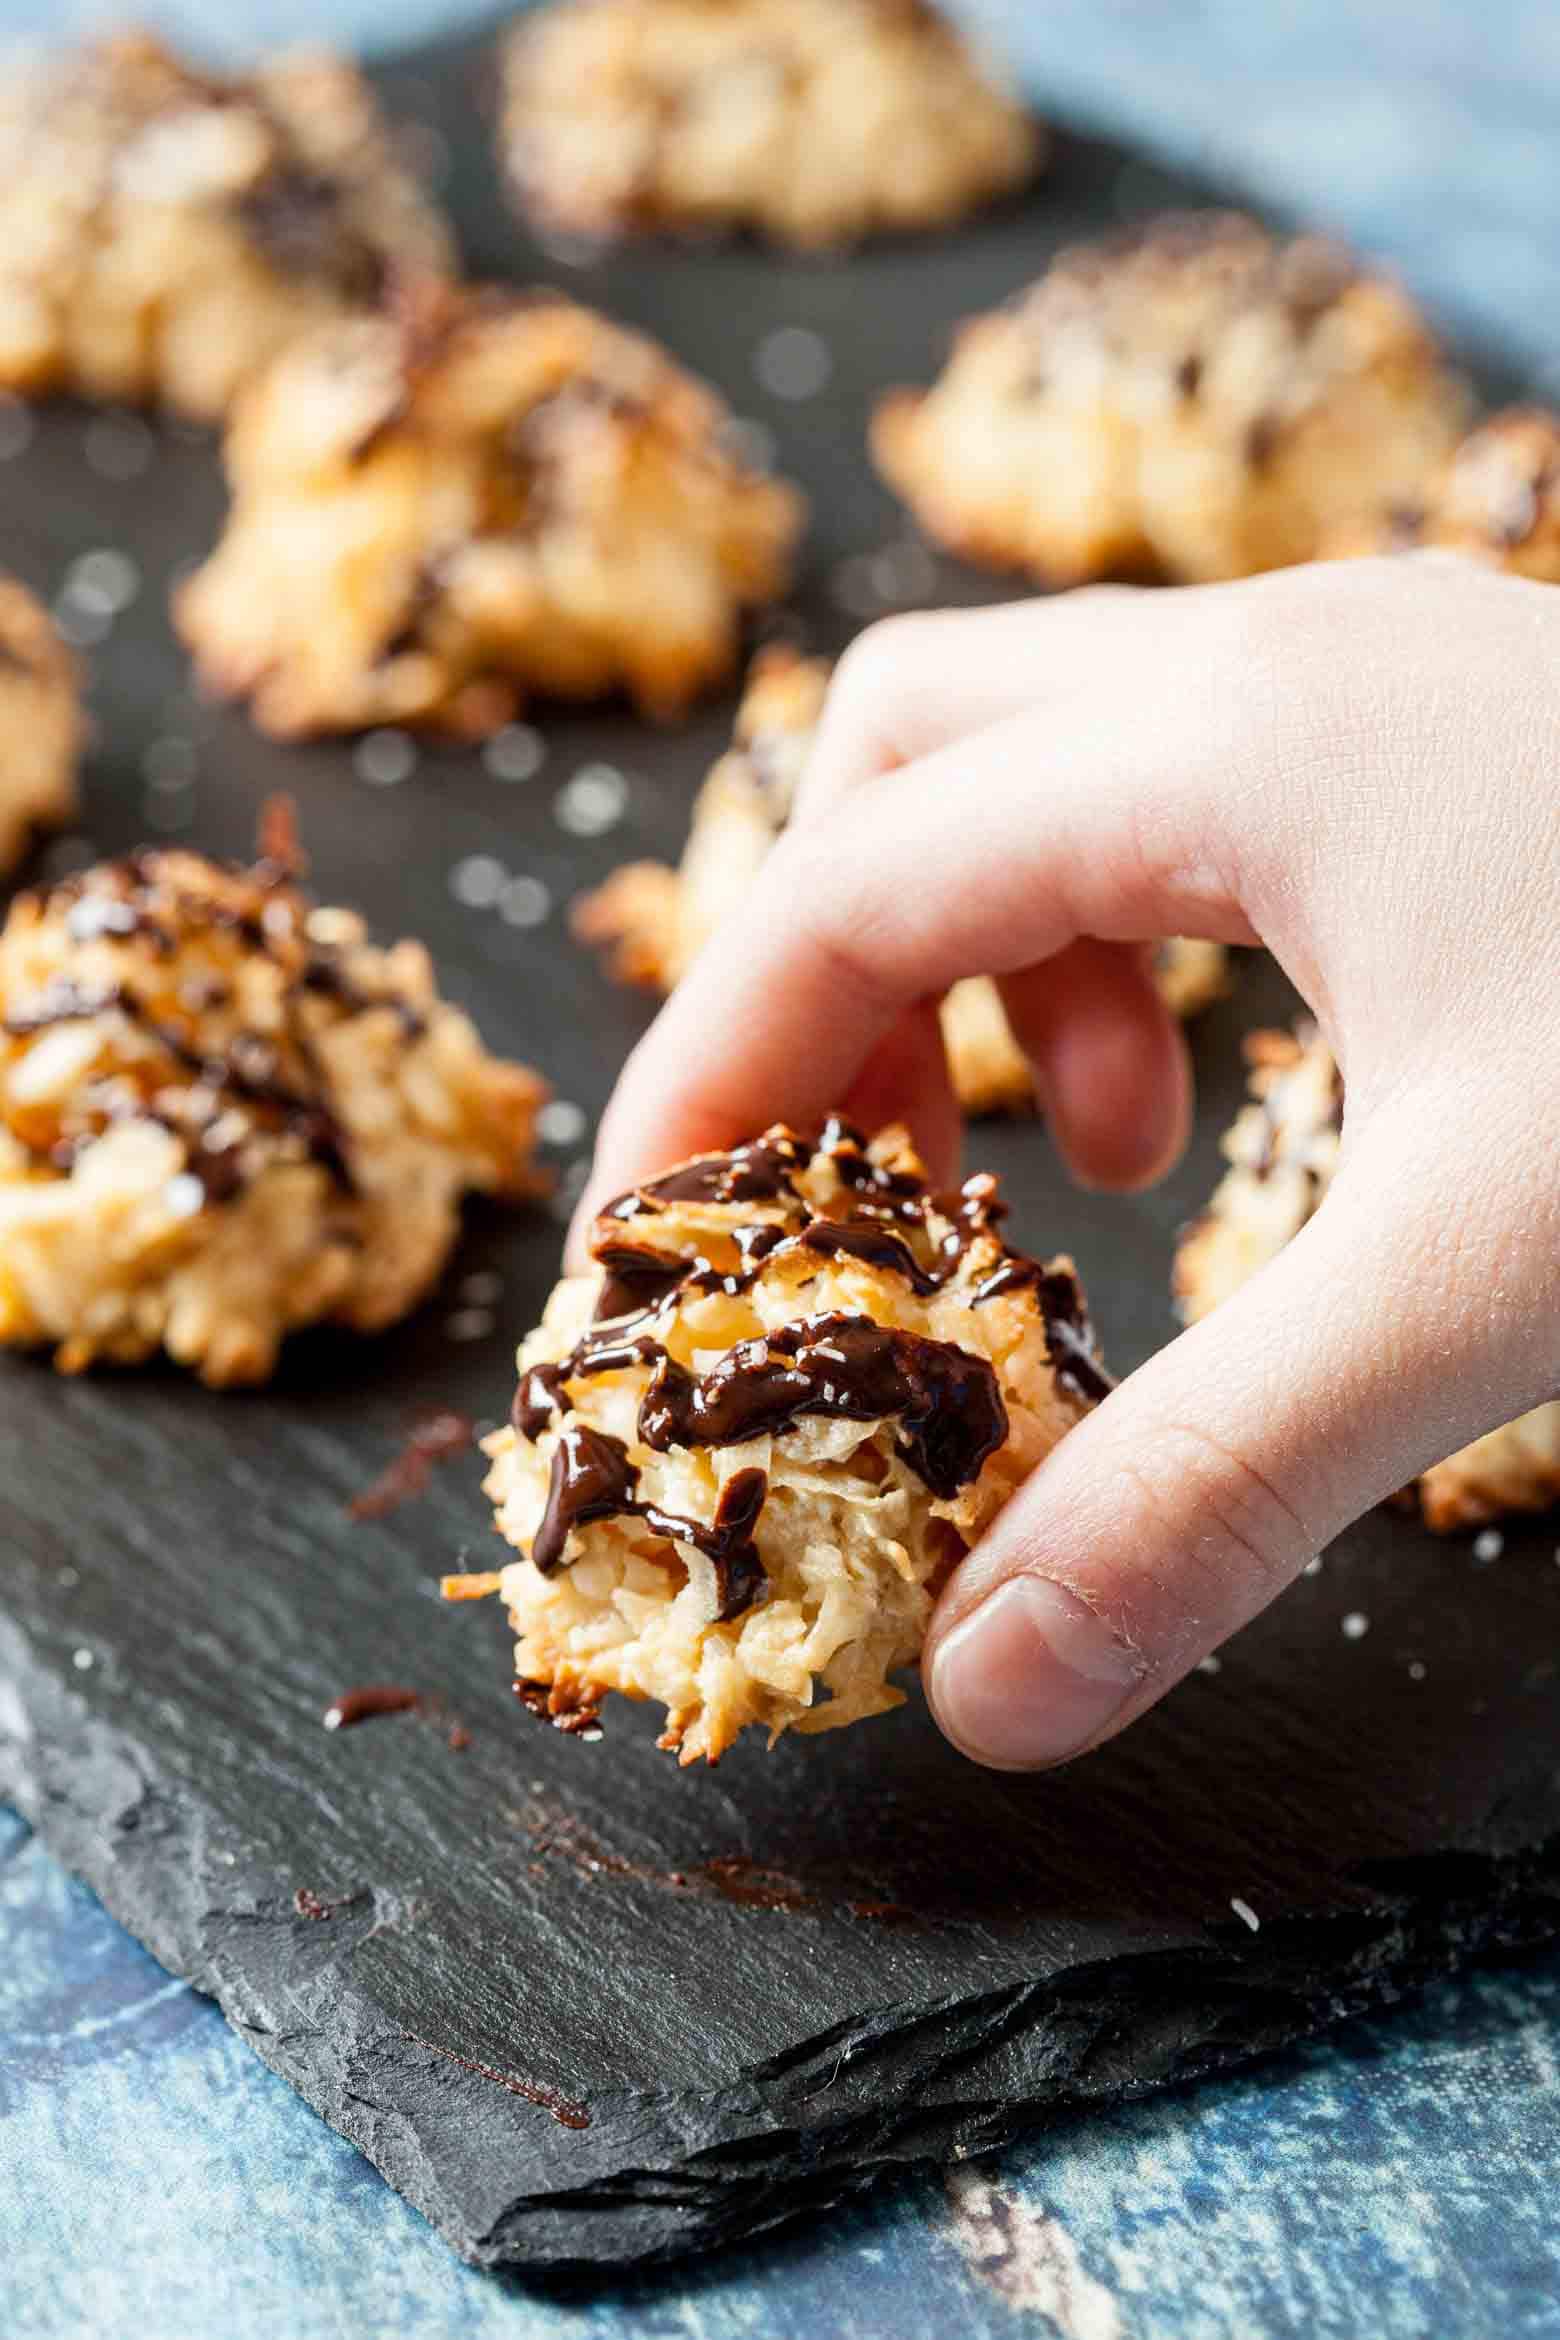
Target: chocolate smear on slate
(565, 2110)
(433, 1440)
(368, 1701)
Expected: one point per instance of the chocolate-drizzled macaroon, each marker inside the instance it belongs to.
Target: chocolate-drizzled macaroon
(1283, 1152)
(1192, 399)
(225, 1114)
(654, 920)
(164, 231)
(748, 1446)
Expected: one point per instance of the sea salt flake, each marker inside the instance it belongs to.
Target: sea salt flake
(525, 901)
(561, 1123)
(385, 758)
(1355, 1625)
(593, 801)
(1489, 1546)
(516, 753)
(477, 881)
(793, 363)
(1246, 1914)
(104, 579)
(470, 1324)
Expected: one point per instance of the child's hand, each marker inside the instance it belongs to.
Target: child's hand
(1358, 766)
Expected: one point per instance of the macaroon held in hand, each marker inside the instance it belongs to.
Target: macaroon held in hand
(1357, 765)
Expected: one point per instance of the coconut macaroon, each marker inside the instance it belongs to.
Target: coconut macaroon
(164, 233)
(1193, 400)
(1496, 499)
(225, 1114)
(816, 122)
(489, 494)
(1283, 1152)
(41, 724)
(750, 1444)
(654, 920)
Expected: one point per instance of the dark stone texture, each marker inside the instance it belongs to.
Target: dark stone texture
(765, 1985)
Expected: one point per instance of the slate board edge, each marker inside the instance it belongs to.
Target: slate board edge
(68, 1771)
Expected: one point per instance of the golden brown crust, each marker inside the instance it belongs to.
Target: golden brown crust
(750, 1443)
(41, 724)
(491, 495)
(1283, 1152)
(164, 233)
(817, 122)
(1193, 400)
(225, 1114)
(652, 921)
(1496, 499)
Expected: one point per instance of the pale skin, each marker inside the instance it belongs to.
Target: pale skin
(1357, 766)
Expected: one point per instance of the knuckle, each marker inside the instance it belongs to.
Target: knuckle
(884, 660)
(1229, 1523)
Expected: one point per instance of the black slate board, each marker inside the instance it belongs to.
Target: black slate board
(581, 2008)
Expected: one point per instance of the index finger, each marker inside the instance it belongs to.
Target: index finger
(984, 858)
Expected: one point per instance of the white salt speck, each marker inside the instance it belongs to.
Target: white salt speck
(1355, 1625)
(1417, 1669)
(524, 901)
(749, 443)
(516, 753)
(16, 427)
(561, 1123)
(592, 802)
(854, 587)
(903, 573)
(118, 446)
(167, 810)
(1246, 1914)
(793, 362)
(184, 1196)
(82, 628)
(470, 1324)
(385, 758)
(169, 764)
(83, 1660)
(1313, 1567)
(1489, 1546)
(569, 251)
(68, 1577)
(1210, 1664)
(481, 1288)
(477, 881)
(104, 579)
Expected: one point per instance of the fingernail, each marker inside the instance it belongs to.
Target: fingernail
(1031, 1678)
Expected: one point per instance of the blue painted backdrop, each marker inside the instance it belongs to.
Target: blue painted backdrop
(1398, 2180)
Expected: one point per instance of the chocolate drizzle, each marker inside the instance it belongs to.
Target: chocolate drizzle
(1069, 1336)
(229, 1102)
(593, 1478)
(944, 1401)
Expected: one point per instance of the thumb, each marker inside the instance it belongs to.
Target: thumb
(1207, 1480)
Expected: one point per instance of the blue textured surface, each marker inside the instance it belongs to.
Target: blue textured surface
(1399, 2179)
(1394, 2182)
